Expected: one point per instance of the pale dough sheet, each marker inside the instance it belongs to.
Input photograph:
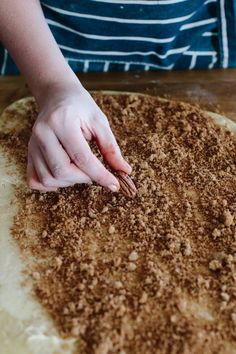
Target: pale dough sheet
(25, 328)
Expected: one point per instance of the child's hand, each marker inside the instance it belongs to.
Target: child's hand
(59, 155)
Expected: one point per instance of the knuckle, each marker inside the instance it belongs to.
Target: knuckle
(53, 118)
(39, 135)
(82, 160)
(58, 171)
(37, 130)
(112, 149)
(46, 181)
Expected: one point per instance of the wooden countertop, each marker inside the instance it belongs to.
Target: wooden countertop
(214, 90)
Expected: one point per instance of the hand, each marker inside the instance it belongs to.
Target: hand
(58, 152)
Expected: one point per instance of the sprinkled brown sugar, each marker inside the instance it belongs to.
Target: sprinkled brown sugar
(152, 274)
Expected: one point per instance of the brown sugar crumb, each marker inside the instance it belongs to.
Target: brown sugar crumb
(143, 298)
(111, 229)
(233, 317)
(59, 262)
(36, 275)
(118, 284)
(215, 265)
(131, 267)
(133, 256)
(152, 274)
(216, 233)
(228, 218)
(44, 233)
(225, 296)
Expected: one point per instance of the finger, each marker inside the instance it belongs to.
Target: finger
(58, 161)
(32, 178)
(80, 153)
(110, 149)
(44, 175)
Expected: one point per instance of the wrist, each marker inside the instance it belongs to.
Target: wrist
(47, 90)
(54, 90)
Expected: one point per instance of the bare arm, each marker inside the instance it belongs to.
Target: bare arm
(58, 153)
(26, 35)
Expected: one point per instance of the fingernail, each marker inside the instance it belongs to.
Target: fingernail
(113, 188)
(128, 166)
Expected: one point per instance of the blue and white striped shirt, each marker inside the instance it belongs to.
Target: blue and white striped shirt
(122, 35)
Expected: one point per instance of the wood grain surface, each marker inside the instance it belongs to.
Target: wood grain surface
(214, 90)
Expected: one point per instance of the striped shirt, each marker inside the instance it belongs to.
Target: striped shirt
(123, 35)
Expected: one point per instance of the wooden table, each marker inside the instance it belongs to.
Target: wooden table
(214, 89)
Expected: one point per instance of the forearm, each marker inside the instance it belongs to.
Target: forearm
(26, 35)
